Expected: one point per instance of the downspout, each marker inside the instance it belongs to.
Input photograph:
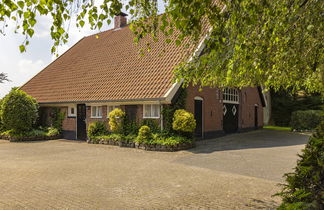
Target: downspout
(161, 117)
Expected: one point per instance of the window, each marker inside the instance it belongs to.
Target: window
(151, 111)
(71, 111)
(110, 108)
(96, 111)
(231, 95)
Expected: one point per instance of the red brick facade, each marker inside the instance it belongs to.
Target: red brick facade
(213, 108)
(249, 99)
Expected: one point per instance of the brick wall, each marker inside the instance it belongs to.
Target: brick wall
(249, 98)
(213, 107)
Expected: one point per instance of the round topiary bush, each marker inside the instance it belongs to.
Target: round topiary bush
(183, 121)
(19, 111)
(116, 120)
(144, 134)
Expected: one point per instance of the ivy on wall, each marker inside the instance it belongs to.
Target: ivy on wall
(168, 111)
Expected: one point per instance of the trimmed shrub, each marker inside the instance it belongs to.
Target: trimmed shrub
(97, 128)
(183, 121)
(19, 111)
(116, 117)
(144, 134)
(152, 124)
(306, 120)
(305, 186)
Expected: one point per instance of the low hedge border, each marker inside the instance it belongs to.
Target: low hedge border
(148, 147)
(30, 138)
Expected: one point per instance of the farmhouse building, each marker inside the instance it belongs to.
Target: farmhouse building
(105, 71)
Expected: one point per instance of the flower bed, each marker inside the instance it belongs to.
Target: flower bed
(29, 138)
(49, 133)
(145, 146)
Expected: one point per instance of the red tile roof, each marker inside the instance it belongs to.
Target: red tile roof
(108, 68)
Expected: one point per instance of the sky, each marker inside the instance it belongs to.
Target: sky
(21, 67)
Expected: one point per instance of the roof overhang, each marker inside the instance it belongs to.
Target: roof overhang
(109, 102)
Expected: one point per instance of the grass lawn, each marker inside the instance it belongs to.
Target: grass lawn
(277, 128)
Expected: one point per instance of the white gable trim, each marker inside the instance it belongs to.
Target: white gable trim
(175, 87)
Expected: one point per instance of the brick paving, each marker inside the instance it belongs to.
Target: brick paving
(64, 174)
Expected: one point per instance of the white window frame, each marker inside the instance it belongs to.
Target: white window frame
(231, 95)
(96, 115)
(151, 107)
(70, 113)
(114, 107)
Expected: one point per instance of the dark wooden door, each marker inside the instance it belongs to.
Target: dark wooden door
(131, 112)
(198, 118)
(230, 120)
(81, 122)
(256, 117)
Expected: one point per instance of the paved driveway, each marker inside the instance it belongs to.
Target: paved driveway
(238, 171)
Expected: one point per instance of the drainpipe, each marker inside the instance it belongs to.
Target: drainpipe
(161, 116)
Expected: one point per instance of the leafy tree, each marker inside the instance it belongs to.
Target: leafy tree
(276, 44)
(3, 77)
(19, 111)
(305, 186)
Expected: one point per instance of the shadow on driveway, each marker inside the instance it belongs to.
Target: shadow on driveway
(254, 139)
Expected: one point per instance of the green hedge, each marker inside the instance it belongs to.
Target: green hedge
(304, 187)
(306, 120)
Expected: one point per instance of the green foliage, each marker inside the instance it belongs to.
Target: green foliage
(129, 138)
(18, 111)
(110, 137)
(129, 127)
(97, 128)
(152, 123)
(284, 103)
(57, 118)
(144, 135)
(269, 43)
(51, 131)
(183, 121)
(116, 118)
(305, 186)
(169, 141)
(277, 128)
(169, 110)
(306, 120)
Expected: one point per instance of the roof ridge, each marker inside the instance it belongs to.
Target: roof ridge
(108, 30)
